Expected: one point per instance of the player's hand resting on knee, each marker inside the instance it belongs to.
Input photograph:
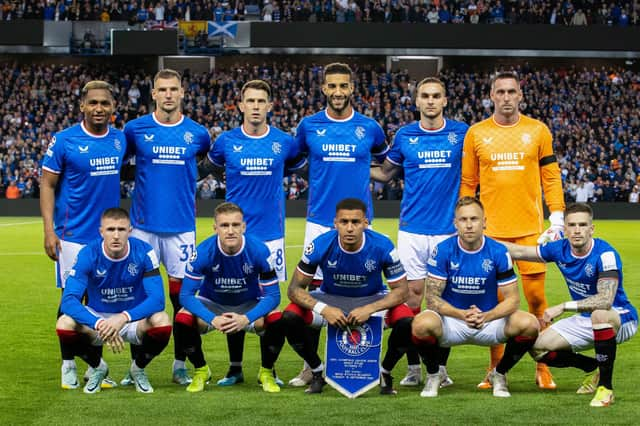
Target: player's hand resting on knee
(359, 315)
(335, 316)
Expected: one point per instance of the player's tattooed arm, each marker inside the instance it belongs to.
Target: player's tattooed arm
(297, 290)
(435, 302)
(603, 299)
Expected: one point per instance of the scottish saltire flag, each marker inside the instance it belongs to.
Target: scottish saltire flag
(227, 29)
(353, 357)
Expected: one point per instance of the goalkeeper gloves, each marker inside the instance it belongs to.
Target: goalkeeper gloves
(555, 231)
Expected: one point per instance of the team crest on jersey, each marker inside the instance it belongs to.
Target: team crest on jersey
(133, 269)
(276, 147)
(370, 265)
(247, 268)
(117, 144)
(355, 341)
(588, 269)
(309, 249)
(360, 132)
(526, 138)
(487, 265)
(452, 138)
(188, 138)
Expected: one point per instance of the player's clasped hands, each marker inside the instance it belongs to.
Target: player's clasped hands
(230, 322)
(335, 316)
(109, 331)
(474, 317)
(359, 315)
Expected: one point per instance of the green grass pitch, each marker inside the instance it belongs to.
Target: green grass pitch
(30, 367)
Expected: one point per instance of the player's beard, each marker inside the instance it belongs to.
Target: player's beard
(345, 105)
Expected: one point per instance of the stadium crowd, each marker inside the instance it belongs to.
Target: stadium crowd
(594, 115)
(578, 12)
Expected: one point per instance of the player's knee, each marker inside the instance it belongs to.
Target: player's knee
(526, 323)
(601, 316)
(295, 312)
(65, 322)
(272, 318)
(159, 319)
(424, 324)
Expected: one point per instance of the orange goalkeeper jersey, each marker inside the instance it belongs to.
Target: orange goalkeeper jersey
(512, 164)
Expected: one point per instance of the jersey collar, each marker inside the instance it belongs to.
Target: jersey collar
(577, 256)
(472, 251)
(340, 120)
(264, 135)
(123, 258)
(444, 124)
(364, 240)
(227, 254)
(177, 123)
(93, 135)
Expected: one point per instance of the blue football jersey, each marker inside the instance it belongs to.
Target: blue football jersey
(254, 167)
(164, 197)
(473, 278)
(339, 154)
(581, 273)
(228, 279)
(352, 274)
(114, 285)
(88, 167)
(432, 161)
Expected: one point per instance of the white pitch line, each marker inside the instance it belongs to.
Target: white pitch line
(20, 223)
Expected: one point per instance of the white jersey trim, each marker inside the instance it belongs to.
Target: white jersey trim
(93, 135)
(177, 123)
(472, 251)
(340, 120)
(264, 135)
(444, 124)
(227, 254)
(122, 259)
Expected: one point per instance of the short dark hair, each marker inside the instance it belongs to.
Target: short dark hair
(578, 208)
(466, 201)
(504, 75)
(433, 80)
(351, 204)
(227, 207)
(96, 85)
(257, 85)
(115, 213)
(167, 73)
(337, 68)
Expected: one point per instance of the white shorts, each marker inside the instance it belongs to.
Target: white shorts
(276, 247)
(66, 259)
(311, 232)
(347, 304)
(578, 331)
(219, 309)
(457, 332)
(414, 251)
(173, 250)
(128, 332)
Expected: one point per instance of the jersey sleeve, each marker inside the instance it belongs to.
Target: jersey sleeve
(310, 259)
(379, 147)
(470, 167)
(204, 141)
(130, 137)
(300, 136)
(270, 286)
(550, 173)
(54, 158)
(392, 267)
(395, 153)
(437, 266)
(609, 264)
(216, 152)
(191, 283)
(153, 289)
(75, 288)
(504, 268)
(295, 158)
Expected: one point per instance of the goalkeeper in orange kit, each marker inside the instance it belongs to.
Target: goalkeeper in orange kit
(511, 157)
